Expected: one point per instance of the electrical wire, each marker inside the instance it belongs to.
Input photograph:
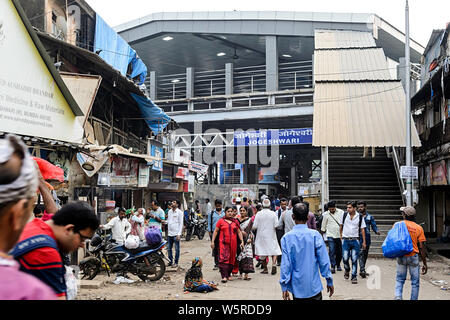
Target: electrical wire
(46, 13)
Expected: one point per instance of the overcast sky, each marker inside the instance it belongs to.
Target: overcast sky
(425, 15)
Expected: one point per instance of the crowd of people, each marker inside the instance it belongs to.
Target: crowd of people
(282, 233)
(288, 235)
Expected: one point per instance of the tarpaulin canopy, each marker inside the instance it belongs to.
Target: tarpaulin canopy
(116, 51)
(156, 119)
(139, 68)
(49, 171)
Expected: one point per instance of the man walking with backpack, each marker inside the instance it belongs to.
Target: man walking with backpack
(411, 260)
(280, 228)
(331, 225)
(352, 225)
(370, 223)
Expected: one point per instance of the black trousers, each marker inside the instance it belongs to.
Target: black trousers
(316, 297)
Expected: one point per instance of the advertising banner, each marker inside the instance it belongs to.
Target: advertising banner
(268, 176)
(157, 152)
(273, 137)
(438, 173)
(198, 167)
(34, 101)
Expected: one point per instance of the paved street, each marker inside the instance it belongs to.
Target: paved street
(266, 287)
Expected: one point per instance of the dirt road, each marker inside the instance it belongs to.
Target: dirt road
(379, 286)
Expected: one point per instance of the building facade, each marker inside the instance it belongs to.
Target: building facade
(430, 107)
(217, 73)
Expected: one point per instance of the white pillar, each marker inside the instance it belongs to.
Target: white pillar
(325, 180)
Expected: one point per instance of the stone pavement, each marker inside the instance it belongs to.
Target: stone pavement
(380, 286)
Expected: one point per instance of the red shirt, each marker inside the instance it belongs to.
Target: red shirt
(43, 263)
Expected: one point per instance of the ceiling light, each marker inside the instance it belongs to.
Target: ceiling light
(175, 81)
(167, 38)
(221, 54)
(287, 56)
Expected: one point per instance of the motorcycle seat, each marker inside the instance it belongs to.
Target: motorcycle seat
(144, 248)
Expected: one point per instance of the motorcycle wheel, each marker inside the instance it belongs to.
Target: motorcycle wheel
(201, 234)
(156, 270)
(90, 270)
(188, 234)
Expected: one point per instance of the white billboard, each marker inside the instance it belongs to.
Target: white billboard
(32, 102)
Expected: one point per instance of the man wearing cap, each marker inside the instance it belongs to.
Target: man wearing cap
(411, 260)
(18, 185)
(266, 243)
(238, 205)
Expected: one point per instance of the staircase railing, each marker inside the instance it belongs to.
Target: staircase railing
(398, 160)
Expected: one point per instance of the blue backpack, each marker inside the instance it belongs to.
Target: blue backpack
(398, 241)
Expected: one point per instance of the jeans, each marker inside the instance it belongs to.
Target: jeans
(335, 246)
(403, 264)
(171, 240)
(350, 248)
(363, 258)
(316, 297)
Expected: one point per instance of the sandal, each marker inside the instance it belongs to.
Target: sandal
(224, 280)
(247, 278)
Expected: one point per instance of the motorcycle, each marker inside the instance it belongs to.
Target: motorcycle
(96, 260)
(146, 262)
(195, 227)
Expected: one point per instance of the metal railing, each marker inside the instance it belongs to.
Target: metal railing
(251, 79)
(249, 100)
(295, 75)
(209, 83)
(398, 158)
(172, 86)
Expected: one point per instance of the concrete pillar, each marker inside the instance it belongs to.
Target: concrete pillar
(293, 181)
(229, 69)
(325, 178)
(153, 86)
(190, 83)
(271, 64)
(401, 71)
(401, 75)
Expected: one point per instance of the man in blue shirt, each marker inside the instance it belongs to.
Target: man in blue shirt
(304, 253)
(213, 217)
(370, 222)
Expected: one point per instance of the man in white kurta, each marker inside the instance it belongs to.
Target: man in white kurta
(266, 243)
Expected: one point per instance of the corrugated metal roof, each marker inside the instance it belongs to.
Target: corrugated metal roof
(340, 39)
(350, 64)
(360, 114)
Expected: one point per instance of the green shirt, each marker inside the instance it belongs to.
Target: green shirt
(158, 213)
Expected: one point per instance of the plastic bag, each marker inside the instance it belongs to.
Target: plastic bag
(153, 236)
(71, 283)
(398, 241)
(132, 242)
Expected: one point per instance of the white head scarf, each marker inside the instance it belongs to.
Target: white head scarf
(26, 184)
(266, 203)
